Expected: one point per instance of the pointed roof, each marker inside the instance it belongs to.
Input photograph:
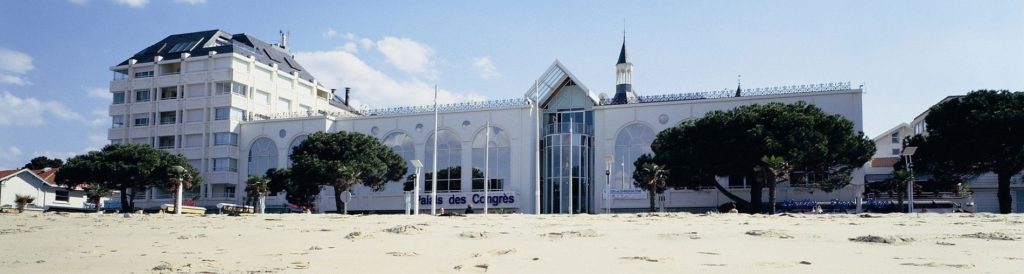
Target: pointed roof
(623, 57)
(549, 83)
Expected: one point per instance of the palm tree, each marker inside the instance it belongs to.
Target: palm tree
(22, 200)
(178, 178)
(650, 176)
(258, 187)
(96, 192)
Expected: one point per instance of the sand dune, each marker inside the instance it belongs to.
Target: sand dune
(624, 243)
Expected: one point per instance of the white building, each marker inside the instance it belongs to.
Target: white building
(40, 185)
(535, 140)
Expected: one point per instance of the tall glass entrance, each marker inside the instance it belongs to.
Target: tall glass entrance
(567, 161)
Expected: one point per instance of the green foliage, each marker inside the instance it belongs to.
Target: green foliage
(650, 176)
(126, 166)
(343, 160)
(22, 200)
(770, 141)
(42, 162)
(973, 134)
(301, 194)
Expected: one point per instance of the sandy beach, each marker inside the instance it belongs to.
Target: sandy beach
(624, 243)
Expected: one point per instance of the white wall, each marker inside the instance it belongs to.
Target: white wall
(27, 184)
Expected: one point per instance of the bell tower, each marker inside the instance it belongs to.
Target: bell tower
(623, 77)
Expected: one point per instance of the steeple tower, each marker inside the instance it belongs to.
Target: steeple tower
(623, 76)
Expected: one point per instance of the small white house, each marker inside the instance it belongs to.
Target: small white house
(40, 185)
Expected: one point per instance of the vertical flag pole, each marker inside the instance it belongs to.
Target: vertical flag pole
(433, 187)
(536, 142)
(487, 164)
(571, 156)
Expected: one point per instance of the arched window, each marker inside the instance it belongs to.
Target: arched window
(449, 162)
(295, 142)
(632, 141)
(499, 164)
(262, 156)
(402, 145)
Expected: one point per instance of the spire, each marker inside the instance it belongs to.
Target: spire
(738, 89)
(623, 58)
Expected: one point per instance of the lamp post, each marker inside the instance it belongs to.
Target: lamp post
(416, 186)
(909, 153)
(178, 171)
(608, 182)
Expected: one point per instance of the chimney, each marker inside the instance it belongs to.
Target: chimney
(284, 40)
(347, 91)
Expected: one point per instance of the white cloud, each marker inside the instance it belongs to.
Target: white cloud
(101, 93)
(29, 111)
(132, 3)
(350, 36)
(485, 68)
(350, 47)
(370, 86)
(191, 2)
(408, 55)
(366, 43)
(13, 66)
(330, 33)
(79, 2)
(10, 157)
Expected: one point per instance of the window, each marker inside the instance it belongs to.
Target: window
(193, 140)
(144, 74)
(226, 87)
(196, 163)
(142, 95)
(62, 195)
(632, 141)
(895, 137)
(261, 97)
(118, 97)
(284, 105)
(169, 69)
(305, 108)
(225, 138)
(117, 121)
(262, 156)
(196, 90)
(121, 74)
(116, 141)
(143, 141)
(491, 148)
(168, 117)
(141, 119)
(221, 113)
(449, 162)
(225, 164)
(237, 114)
(194, 115)
(895, 151)
(168, 93)
(221, 88)
(165, 142)
(240, 89)
(301, 138)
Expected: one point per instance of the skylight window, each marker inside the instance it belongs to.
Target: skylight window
(184, 46)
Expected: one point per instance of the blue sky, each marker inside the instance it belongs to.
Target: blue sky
(55, 55)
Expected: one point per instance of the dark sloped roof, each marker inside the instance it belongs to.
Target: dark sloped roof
(202, 42)
(622, 54)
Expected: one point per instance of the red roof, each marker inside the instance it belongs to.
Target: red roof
(5, 173)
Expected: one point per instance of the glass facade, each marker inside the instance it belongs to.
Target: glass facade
(631, 142)
(449, 162)
(262, 156)
(491, 159)
(567, 161)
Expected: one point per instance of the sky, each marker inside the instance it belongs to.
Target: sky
(55, 56)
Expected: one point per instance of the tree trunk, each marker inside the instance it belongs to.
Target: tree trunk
(740, 202)
(99, 207)
(124, 199)
(650, 194)
(337, 200)
(756, 187)
(770, 181)
(1005, 201)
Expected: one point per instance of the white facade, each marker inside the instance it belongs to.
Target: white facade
(46, 194)
(529, 147)
(195, 105)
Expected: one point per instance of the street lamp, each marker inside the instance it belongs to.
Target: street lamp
(909, 153)
(416, 186)
(608, 160)
(178, 173)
